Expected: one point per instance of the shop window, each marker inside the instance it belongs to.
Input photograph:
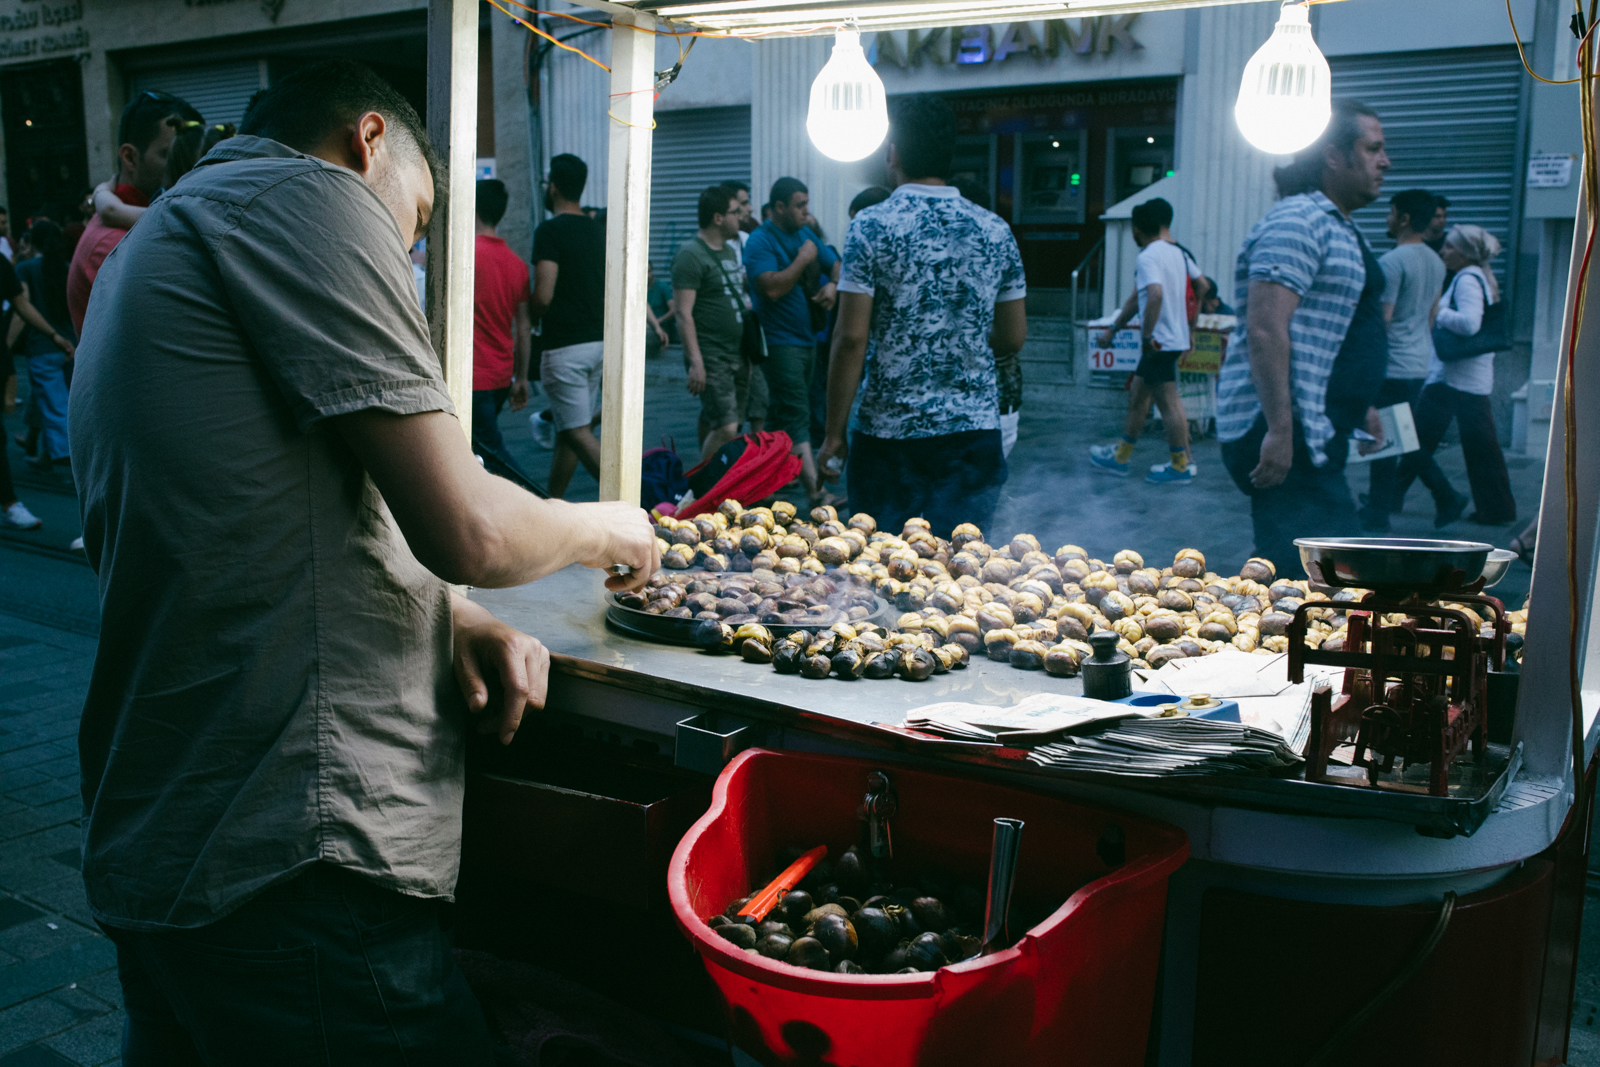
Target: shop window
(47, 163)
(1052, 186)
(1136, 159)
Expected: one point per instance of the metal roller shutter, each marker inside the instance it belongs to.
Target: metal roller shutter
(1450, 123)
(219, 91)
(693, 149)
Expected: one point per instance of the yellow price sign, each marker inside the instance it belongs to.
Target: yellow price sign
(1206, 355)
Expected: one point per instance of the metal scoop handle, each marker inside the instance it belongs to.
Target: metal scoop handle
(1002, 876)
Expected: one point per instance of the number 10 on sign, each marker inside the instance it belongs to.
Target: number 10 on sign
(1123, 355)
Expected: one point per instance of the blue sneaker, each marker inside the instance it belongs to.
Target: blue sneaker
(1164, 474)
(1105, 457)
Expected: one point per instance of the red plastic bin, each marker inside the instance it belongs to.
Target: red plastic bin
(1077, 989)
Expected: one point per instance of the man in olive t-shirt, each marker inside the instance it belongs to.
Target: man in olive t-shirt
(275, 492)
(709, 294)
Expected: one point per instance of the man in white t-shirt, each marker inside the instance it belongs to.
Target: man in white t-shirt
(1162, 277)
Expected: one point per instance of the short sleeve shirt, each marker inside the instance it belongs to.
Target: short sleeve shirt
(91, 250)
(273, 683)
(786, 321)
(715, 277)
(500, 285)
(935, 265)
(1413, 279)
(576, 244)
(1165, 264)
(1306, 245)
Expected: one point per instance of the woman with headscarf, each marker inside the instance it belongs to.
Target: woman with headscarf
(1459, 389)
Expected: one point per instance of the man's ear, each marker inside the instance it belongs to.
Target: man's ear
(128, 156)
(368, 139)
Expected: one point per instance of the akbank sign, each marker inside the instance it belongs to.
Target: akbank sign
(975, 46)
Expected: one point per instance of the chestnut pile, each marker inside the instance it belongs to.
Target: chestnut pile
(839, 920)
(1011, 602)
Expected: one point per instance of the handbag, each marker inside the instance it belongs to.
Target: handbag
(1493, 336)
(753, 341)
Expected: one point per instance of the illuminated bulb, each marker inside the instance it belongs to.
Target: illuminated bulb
(849, 116)
(1149, 140)
(1285, 98)
(1055, 144)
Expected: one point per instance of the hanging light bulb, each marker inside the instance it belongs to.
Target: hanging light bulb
(849, 116)
(1285, 98)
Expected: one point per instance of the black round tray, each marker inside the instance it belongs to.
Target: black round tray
(667, 630)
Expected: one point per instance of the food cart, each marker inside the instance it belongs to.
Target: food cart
(1312, 918)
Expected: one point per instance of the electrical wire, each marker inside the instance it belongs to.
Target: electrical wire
(1517, 37)
(1324, 1052)
(551, 37)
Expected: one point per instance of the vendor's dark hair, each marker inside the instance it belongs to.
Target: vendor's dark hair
(1417, 206)
(922, 129)
(146, 114)
(489, 201)
(47, 239)
(569, 175)
(1151, 215)
(714, 201)
(305, 108)
(872, 194)
(1344, 129)
(784, 189)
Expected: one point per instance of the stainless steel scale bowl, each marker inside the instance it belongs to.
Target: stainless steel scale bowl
(1399, 563)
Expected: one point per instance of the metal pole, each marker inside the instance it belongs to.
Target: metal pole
(453, 129)
(632, 118)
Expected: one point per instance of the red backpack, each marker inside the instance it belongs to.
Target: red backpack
(765, 466)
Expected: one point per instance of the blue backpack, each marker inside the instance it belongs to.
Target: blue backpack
(661, 479)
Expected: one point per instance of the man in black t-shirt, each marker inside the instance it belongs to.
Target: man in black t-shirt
(569, 288)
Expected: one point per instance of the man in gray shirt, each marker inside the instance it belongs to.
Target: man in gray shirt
(275, 491)
(1414, 278)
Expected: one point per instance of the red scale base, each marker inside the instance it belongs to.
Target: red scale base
(1416, 691)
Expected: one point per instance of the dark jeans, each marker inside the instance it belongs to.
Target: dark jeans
(486, 405)
(948, 479)
(1310, 502)
(325, 968)
(1480, 447)
(1383, 495)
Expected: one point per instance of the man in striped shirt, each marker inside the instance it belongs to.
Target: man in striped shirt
(1299, 279)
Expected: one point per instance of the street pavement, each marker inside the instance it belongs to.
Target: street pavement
(59, 999)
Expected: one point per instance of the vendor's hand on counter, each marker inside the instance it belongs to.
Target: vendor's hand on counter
(519, 394)
(1277, 455)
(501, 670)
(625, 536)
(826, 297)
(831, 459)
(1375, 428)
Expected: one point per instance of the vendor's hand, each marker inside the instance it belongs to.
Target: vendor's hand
(623, 535)
(1107, 337)
(1375, 428)
(1277, 455)
(697, 376)
(501, 670)
(519, 394)
(833, 448)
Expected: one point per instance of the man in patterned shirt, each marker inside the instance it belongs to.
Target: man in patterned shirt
(935, 284)
(1300, 276)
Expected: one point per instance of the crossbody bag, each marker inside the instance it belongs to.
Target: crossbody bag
(753, 341)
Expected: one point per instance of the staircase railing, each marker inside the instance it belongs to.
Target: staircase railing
(1091, 271)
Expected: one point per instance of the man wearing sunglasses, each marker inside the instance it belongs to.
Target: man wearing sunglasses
(144, 138)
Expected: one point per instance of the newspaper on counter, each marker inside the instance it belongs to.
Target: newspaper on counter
(1267, 699)
(1033, 716)
(1154, 747)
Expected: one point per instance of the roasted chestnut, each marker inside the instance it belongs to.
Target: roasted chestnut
(916, 665)
(926, 952)
(713, 635)
(848, 663)
(1028, 655)
(775, 946)
(816, 666)
(930, 914)
(787, 657)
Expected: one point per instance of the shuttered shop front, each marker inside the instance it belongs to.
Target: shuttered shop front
(1450, 121)
(219, 91)
(693, 149)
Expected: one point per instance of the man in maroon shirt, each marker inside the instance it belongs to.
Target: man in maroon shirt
(145, 135)
(501, 329)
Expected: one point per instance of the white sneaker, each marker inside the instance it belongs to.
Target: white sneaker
(1157, 468)
(20, 518)
(544, 429)
(77, 544)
